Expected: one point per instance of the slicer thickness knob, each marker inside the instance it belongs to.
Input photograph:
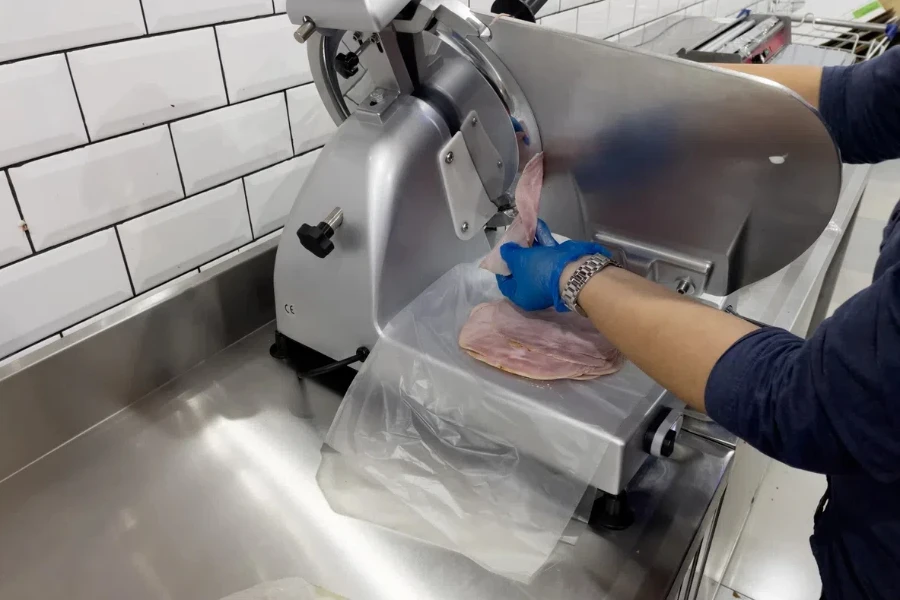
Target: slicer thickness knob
(317, 238)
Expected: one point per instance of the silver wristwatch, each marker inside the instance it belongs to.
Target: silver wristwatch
(580, 277)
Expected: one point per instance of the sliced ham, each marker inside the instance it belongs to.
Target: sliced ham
(543, 345)
(524, 226)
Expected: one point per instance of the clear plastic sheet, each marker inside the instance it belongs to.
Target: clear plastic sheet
(292, 588)
(433, 444)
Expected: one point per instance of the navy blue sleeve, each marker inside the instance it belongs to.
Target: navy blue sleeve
(830, 404)
(859, 105)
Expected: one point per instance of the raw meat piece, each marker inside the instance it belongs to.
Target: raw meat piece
(544, 345)
(528, 202)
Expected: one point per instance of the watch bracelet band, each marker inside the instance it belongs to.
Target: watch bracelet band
(581, 276)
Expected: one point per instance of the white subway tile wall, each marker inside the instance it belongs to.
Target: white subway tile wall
(138, 152)
(38, 109)
(128, 131)
(551, 7)
(567, 4)
(166, 15)
(310, 124)
(73, 193)
(483, 6)
(176, 239)
(565, 21)
(28, 28)
(645, 11)
(593, 20)
(130, 85)
(13, 241)
(54, 290)
(221, 145)
(262, 56)
(271, 193)
(667, 7)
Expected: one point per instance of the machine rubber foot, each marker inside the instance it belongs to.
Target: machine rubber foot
(611, 511)
(279, 349)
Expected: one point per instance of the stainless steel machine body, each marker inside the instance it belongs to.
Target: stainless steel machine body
(701, 180)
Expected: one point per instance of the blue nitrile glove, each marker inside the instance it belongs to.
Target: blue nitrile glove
(534, 282)
(517, 127)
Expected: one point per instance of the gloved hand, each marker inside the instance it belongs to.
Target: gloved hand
(534, 282)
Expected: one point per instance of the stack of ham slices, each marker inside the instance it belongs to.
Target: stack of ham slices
(544, 345)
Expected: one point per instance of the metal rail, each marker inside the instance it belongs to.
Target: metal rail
(861, 26)
(824, 30)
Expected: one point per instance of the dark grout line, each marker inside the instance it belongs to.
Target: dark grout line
(290, 128)
(144, 16)
(221, 65)
(177, 161)
(247, 205)
(155, 209)
(87, 133)
(145, 128)
(273, 8)
(125, 262)
(134, 38)
(15, 197)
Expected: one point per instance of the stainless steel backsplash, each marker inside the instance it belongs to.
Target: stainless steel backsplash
(57, 393)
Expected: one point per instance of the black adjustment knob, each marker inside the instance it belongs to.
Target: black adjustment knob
(346, 65)
(317, 238)
(668, 445)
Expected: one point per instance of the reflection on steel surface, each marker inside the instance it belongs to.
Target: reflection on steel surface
(207, 487)
(107, 366)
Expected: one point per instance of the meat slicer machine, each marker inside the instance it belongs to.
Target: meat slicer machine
(701, 180)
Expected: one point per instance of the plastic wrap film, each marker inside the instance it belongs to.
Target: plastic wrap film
(433, 444)
(292, 588)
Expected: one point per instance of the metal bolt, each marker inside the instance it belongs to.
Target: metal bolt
(464, 227)
(335, 218)
(499, 164)
(474, 121)
(684, 287)
(305, 31)
(449, 158)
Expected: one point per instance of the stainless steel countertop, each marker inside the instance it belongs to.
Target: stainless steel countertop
(207, 487)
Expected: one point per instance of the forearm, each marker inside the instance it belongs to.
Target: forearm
(675, 340)
(805, 81)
